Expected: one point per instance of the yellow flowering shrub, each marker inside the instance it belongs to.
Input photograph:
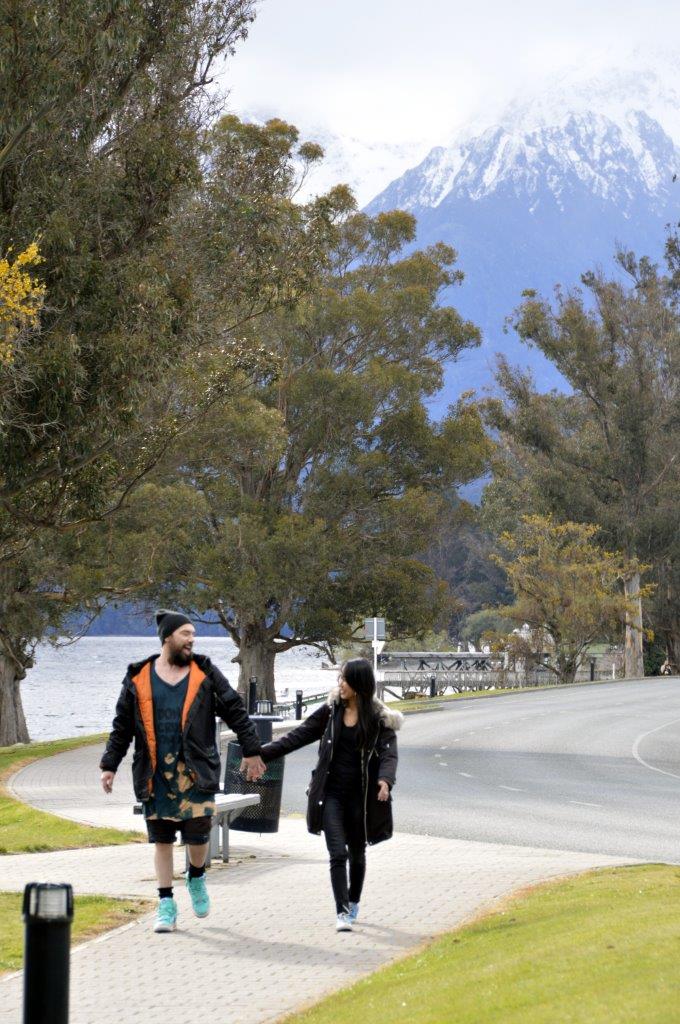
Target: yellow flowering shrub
(21, 297)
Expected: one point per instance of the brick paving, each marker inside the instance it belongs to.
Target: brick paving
(269, 945)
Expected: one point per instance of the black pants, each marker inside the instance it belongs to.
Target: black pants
(343, 827)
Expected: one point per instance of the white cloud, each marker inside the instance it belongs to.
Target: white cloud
(391, 71)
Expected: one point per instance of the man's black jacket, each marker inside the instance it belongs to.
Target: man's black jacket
(208, 695)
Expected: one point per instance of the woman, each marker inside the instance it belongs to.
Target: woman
(349, 794)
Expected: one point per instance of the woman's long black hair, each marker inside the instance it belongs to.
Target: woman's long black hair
(358, 673)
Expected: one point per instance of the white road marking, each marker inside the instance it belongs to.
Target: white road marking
(513, 789)
(466, 774)
(641, 760)
(443, 764)
(584, 803)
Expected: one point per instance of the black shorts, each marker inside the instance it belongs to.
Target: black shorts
(194, 831)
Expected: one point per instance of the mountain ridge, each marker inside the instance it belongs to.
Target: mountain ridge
(534, 201)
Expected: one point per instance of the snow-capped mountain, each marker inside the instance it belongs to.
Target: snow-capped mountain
(549, 190)
(615, 163)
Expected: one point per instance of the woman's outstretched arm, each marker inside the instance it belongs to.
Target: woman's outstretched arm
(311, 729)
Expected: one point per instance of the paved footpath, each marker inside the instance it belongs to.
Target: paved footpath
(269, 945)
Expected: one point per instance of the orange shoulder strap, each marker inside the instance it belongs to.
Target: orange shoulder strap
(142, 684)
(196, 677)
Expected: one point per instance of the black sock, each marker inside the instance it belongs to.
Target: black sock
(165, 893)
(195, 872)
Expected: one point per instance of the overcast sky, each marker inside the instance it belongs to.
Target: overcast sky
(397, 71)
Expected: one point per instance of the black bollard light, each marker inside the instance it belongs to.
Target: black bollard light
(47, 913)
(298, 704)
(433, 686)
(592, 670)
(252, 694)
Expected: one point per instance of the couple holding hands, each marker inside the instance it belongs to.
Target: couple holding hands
(168, 704)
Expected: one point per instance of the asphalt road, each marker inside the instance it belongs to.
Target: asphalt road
(593, 769)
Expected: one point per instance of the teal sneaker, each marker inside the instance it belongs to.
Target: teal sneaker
(166, 915)
(353, 911)
(200, 901)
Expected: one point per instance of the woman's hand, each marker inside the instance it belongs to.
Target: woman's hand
(383, 790)
(254, 767)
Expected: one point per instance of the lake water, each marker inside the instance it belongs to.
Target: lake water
(73, 689)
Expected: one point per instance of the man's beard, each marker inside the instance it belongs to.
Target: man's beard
(180, 658)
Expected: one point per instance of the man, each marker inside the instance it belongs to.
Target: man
(168, 704)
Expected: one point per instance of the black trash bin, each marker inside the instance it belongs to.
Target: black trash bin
(265, 816)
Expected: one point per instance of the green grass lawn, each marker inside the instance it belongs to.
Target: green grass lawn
(602, 948)
(26, 830)
(92, 916)
(411, 706)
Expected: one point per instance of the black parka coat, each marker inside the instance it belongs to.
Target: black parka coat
(208, 695)
(379, 761)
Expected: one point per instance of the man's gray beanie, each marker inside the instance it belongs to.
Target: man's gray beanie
(168, 621)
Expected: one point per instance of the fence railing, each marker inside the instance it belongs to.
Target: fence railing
(296, 708)
(431, 684)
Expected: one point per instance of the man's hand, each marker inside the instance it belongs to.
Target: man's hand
(107, 781)
(383, 790)
(254, 767)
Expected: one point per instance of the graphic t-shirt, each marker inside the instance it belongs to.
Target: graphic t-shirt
(174, 794)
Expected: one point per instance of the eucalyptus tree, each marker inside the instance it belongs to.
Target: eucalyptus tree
(161, 231)
(607, 453)
(566, 589)
(305, 503)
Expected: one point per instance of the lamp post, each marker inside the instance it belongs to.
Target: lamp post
(47, 913)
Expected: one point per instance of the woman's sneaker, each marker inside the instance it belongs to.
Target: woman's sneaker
(353, 911)
(166, 915)
(343, 923)
(200, 901)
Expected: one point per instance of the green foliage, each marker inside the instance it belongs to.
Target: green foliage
(104, 113)
(655, 656)
(461, 554)
(567, 589)
(485, 621)
(164, 233)
(301, 506)
(430, 640)
(607, 453)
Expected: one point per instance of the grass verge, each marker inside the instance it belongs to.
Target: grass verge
(24, 829)
(410, 707)
(601, 948)
(92, 916)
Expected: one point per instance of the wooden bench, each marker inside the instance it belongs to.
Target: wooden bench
(227, 806)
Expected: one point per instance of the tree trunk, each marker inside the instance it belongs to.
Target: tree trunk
(256, 659)
(634, 667)
(12, 722)
(567, 667)
(672, 638)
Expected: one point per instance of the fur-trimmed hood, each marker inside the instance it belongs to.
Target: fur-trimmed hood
(392, 719)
